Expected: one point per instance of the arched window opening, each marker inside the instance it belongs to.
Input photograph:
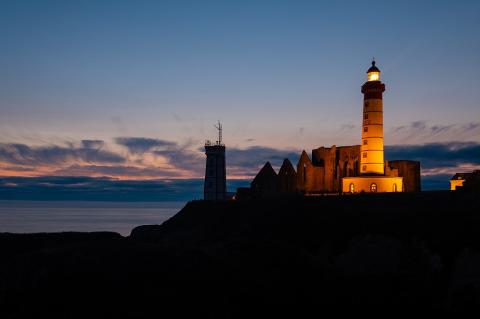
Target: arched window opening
(394, 187)
(352, 188)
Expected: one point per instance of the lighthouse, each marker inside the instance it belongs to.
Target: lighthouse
(350, 169)
(215, 171)
(371, 149)
(374, 175)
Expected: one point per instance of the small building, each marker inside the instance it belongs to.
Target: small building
(458, 179)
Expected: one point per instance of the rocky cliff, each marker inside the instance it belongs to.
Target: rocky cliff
(381, 252)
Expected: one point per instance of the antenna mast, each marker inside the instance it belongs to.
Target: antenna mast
(219, 128)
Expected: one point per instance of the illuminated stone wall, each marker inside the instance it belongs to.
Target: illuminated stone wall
(456, 182)
(310, 178)
(382, 184)
(337, 162)
(324, 172)
(329, 167)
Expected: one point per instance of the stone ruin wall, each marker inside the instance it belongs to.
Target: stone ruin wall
(337, 162)
(323, 173)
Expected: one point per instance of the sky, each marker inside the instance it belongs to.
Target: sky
(130, 90)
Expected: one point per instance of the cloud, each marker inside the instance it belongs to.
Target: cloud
(118, 171)
(145, 158)
(182, 156)
(437, 154)
(184, 159)
(424, 132)
(139, 145)
(348, 127)
(247, 161)
(92, 143)
(439, 158)
(149, 159)
(88, 151)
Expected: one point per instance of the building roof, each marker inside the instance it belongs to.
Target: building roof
(267, 171)
(373, 68)
(305, 158)
(287, 168)
(461, 176)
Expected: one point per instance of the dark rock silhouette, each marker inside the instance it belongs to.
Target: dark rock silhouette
(297, 257)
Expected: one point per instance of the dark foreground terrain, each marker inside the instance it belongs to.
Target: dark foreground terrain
(298, 257)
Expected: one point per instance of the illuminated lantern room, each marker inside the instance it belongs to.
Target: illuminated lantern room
(373, 74)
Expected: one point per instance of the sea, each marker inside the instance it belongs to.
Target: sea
(82, 216)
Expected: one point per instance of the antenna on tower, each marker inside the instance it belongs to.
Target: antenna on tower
(219, 128)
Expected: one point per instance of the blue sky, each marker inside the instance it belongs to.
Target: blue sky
(281, 75)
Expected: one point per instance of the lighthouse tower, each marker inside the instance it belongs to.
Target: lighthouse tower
(371, 149)
(215, 186)
(373, 177)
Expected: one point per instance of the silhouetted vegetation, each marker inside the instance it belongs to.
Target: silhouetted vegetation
(297, 256)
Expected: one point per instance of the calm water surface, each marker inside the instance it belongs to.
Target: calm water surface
(57, 216)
